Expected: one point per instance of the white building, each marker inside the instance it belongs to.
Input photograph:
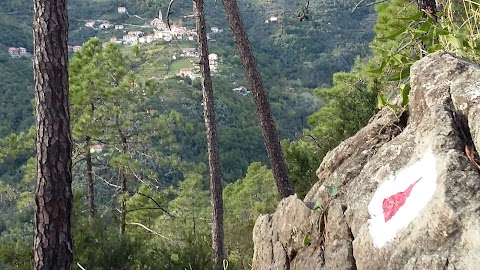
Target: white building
(104, 26)
(158, 24)
(158, 34)
(18, 52)
(130, 39)
(213, 60)
(187, 72)
(150, 38)
(136, 33)
(122, 9)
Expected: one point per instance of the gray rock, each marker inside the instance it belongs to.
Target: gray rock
(436, 226)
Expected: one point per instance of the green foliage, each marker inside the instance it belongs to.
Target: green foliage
(332, 190)
(303, 160)
(98, 246)
(306, 240)
(94, 71)
(348, 107)
(244, 201)
(15, 254)
(17, 145)
(16, 92)
(461, 20)
(404, 35)
(178, 239)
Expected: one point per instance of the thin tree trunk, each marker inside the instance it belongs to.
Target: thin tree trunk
(123, 201)
(267, 123)
(90, 191)
(52, 246)
(123, 182)
(212, 141)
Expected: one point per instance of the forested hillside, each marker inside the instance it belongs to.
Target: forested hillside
(137, 90)
(294, 57)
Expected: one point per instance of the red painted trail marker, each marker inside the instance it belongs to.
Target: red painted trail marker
(401, 197)
(394, 202)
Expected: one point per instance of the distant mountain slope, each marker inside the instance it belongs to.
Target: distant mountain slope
(294, 57)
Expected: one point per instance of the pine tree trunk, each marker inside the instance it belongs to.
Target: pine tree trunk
(267, 123)
(123, 202)
(90, 191)
(123, 182)
(212, 141)
(52, 247)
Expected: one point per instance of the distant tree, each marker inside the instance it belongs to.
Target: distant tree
(267, 122)
(212, 141)
(52, 245)
(349, 104)
(245, 200)
(93, 70)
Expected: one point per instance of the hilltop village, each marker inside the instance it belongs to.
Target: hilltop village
(160, 30)
(152, 30)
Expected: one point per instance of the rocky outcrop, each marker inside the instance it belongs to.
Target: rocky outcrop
(408, 187)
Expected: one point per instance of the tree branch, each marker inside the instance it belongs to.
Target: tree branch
(376, 2)
(108, 183)
(149, 208)
(148, 229)
(77, 161)
(367, 5)
(357, 5)
(168, 13)
(303, 15)
(158, 205)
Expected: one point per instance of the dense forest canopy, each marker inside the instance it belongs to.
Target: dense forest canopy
(294, 57)
(323, 81)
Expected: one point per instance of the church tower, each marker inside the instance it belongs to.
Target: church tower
(160, 16)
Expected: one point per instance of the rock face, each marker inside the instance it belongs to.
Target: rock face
(408, 195)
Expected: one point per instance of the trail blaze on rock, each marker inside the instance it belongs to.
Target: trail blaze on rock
(395, 202)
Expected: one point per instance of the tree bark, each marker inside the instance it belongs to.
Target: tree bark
(212, 141)
(90, 191)
(267, 123)
(52, 247)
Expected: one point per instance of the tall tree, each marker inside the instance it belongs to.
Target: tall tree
(267, 123)
(212, 141)
(93, 71)
(130, 126)
(52, 247)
